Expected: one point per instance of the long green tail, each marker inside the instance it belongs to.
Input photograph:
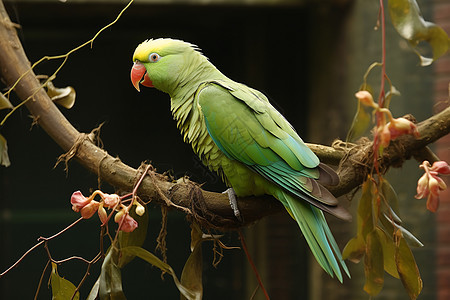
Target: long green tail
(317, 233)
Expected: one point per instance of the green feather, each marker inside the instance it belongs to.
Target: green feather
(317, 234)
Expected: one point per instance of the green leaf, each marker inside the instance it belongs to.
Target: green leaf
(407, 268)
(388, 247)
(4, 102)
(408, 21)
(355, 249)
(4, 158)
(62, 289)
(147, 256)
(134, 238)
(373, 264)
(110, 281)
(191, 277)
(155, 261)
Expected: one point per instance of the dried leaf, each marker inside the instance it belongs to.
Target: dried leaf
(373, 264)
(4, 102)
(62, 289)
(61, 96)
(191, 277)
(4, 158)
(408, 21)
(110, 285)
(407, 267)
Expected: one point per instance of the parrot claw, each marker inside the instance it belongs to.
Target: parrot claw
(233, 203)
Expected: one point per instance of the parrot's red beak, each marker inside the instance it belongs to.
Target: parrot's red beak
(137, 72)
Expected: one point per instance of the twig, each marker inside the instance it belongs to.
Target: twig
(41, 241)
(40, 280)
(21, 258)
(86, 274)
(65, 57)
(252, 264)
(61, 232)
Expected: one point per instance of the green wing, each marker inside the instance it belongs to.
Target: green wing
(247, 128)
(265, 124)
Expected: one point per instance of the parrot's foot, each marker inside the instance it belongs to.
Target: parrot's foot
(233, 203)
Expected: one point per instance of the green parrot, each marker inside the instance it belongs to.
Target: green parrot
(237, 133)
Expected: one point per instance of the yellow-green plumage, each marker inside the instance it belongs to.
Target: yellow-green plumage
(238, 134)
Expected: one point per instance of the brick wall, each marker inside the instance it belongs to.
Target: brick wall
(441, 90)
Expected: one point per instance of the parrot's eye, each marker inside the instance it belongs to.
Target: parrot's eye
(154, 57)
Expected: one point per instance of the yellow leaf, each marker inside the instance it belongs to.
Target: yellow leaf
(364, 216)
(407, 267)
(388, 247)
(373, 264)
(356, 247)
(354, 250)
(62, 289)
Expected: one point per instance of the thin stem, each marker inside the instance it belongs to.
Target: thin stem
(21, 258)
(383, 55)
(140, 180)
(41, 279)
(65, 57)
(71, 258)
(41, 241)
(61, 232)
(86, 274)
(379, 115)
(252, 264)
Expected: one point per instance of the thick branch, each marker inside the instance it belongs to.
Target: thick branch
(14, 64)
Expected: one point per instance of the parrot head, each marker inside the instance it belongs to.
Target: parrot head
(162, 63)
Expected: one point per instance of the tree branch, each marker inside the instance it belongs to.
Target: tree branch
(14, 65)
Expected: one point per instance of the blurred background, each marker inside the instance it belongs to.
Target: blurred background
(308, 56)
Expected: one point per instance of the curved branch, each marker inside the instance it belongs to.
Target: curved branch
(14, 64)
